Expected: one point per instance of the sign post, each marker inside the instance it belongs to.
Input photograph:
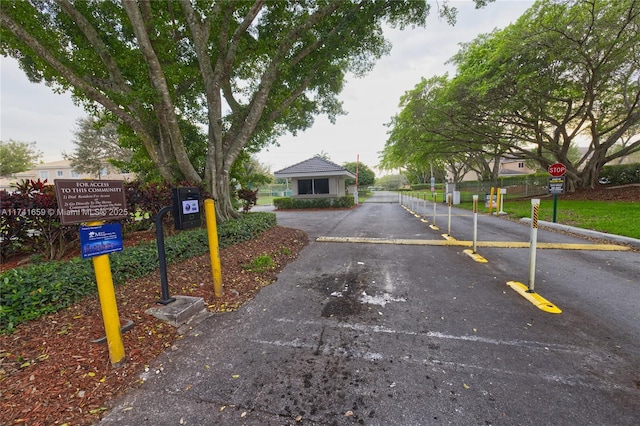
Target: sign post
(94, 201)
(556, 184)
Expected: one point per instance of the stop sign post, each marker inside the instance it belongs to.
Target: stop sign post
(557, 171)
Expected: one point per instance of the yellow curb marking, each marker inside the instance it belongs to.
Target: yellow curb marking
(448, 237)
(461, 243)
(534, 298)
(475, 256)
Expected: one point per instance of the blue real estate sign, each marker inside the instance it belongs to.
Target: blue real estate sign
(101, 239)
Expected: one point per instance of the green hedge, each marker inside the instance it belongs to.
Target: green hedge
(35, 290)
(622, 174)
(314, 203)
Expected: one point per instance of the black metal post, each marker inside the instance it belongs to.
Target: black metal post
(162, 258)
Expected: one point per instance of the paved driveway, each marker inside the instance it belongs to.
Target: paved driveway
(395, 334)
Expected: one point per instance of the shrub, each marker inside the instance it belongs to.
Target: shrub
(32, 291)
(421, 187)
(313, 203)
(30, 222)
(248, 197)
(145, 199)
(622, 174)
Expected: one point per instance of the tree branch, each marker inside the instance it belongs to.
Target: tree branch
(166, 110)
(89, 89)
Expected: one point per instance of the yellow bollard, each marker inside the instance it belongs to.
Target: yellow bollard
(491, 200)
(109, 307)
(214, 252)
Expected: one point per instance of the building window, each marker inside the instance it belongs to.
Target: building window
(313, 186)
(59, 173)
(305, 186)
(74, 174)
(321, 186)
(44, 174)
(521, 165)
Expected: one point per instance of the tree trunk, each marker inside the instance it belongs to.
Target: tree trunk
(222, 195)
(589, 175)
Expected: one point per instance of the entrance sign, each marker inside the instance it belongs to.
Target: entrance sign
(101, 239)
(83, 200)
(86, 200)
(557, 169)
(556, 185)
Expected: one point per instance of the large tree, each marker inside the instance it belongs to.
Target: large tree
(433, 129)
(16, 157)
(566, 72)
(243, 71)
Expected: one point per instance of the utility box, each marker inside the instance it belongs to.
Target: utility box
(456, 198)
(186, 208)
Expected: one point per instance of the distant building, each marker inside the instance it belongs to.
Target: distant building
(508, 167)
(513, 166)
(316, 178)
(58, 170)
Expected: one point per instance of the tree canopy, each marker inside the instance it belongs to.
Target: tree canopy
(567, 72)
(16, 157)
(193, 84)
(96, 147)
(366, 176)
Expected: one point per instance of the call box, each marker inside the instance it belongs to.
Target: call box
(186, 208)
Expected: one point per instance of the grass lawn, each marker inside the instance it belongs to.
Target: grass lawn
(265, 200)
(619, 218)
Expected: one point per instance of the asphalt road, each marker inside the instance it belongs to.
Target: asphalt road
(397, 334)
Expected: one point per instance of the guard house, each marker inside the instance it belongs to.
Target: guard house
(316, 178)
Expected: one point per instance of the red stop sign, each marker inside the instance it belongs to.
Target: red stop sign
(557, 169)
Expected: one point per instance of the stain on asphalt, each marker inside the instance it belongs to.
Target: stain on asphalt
(343, 292)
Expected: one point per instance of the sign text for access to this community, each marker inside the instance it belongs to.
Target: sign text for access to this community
(82, 200)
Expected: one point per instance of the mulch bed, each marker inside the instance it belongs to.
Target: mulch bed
(50, 371)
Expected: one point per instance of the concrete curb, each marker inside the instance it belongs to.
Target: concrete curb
(588, 233)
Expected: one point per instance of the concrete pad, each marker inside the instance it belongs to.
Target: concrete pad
(179, 312)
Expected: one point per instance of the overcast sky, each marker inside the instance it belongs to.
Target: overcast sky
(33, 113)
